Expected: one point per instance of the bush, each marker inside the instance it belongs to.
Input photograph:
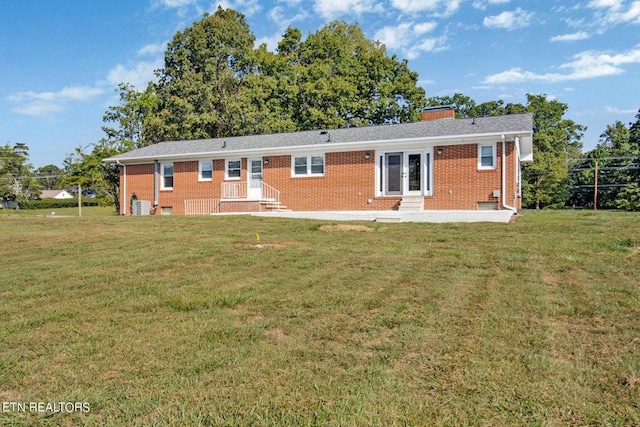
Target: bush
(629, 198)
(58, 203)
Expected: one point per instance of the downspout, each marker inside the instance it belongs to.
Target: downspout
(504, 178)
(156, 171)
(518, 169)
(123, 197)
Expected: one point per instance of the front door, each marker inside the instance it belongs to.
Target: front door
(254, 185)
(403, 174)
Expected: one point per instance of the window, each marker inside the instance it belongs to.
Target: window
(205, 170)
(233, 169)
(486, 156)
(166, 182)
(308, 165)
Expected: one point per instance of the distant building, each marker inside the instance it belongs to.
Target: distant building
(55, 194)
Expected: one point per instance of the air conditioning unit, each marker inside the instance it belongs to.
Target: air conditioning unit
(141, 207)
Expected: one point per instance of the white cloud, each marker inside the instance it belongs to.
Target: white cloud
(580, 35)
(613, 12)
(152, 49)
(616, 110)
(509, 20)
(482, 5)
(43, 104)
(606, 4)
(332, 8)
(439, 7)
(405, 39)
(176, 3)
(586, 65)
(425, 27)
(139, 75)
(428, 45)
(393, 37)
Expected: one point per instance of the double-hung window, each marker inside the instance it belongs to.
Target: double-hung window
(487, 156)
(308, 165)
(166, 179)
(233, 169)
(205, 170)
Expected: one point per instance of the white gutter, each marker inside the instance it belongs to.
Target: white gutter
(504, 178)
(123, 197)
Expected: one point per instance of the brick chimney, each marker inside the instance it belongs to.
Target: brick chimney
(438, 112)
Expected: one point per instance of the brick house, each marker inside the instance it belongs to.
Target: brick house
(439, 163)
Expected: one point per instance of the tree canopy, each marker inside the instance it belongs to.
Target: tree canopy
(16, 180)
(215, 83)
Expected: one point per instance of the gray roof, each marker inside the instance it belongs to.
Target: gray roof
(443, 129)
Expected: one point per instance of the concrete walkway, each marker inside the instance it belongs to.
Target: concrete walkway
(397, 216)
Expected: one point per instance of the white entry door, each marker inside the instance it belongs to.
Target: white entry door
(403, 173)
(254, 190)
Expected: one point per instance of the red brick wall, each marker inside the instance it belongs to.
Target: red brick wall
(445, 113)
(349, 182)
(458, 184)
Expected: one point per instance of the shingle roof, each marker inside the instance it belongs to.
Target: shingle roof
(445, 129)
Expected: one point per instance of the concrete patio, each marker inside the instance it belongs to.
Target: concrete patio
(503, 216)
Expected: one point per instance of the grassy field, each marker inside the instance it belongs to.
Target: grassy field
(194, 321)
(90, 211)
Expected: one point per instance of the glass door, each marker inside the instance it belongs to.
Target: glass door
(254, 185)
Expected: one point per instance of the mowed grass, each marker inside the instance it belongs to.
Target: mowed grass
(194, 321)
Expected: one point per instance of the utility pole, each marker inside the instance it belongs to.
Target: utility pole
(79, 200)
(595, 189)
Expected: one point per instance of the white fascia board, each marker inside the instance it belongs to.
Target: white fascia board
(326, 148)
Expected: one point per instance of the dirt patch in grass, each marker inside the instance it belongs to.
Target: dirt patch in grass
(345, 227)
(276, 333)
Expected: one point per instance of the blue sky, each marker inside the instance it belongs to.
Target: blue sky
(61, 61)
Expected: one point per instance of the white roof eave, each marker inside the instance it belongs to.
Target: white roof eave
(526, 149)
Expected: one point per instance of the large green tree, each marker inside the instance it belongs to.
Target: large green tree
(618, 160)
(16, 173)
(556, 139)
(126, 121)
(215, 83)
(203, 90)
(345, 79)
(49, 177)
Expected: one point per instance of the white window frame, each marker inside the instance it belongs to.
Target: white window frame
(201, 163)
(226, 169)
(308, 159)
(493, 157)
(163, 176)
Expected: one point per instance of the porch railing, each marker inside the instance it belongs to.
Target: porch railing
(234, 190)
(270, 193)
(238, 190)
(201, 206)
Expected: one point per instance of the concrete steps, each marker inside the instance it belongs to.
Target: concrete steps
(411, 204)
(273, 206)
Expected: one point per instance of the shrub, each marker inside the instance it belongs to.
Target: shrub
(57, 203)
(629, 198)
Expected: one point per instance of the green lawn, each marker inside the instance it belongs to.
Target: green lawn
(58, 212)
(194, 321)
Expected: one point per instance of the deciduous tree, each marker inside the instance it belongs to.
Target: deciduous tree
(16, 180)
